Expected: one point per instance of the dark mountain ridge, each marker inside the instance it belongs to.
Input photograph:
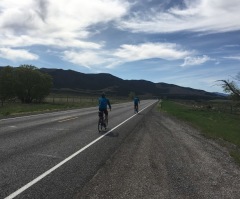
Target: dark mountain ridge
(94, 84)
(97, 83)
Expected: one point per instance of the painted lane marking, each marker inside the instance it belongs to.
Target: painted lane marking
(67, 119)
(28, 185)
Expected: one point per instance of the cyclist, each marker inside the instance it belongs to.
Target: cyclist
(136, 102)
(103, 103)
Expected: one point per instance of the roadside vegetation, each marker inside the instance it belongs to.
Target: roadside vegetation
(26, 90)
(215, 120)
(25, 83)
(53, 103)
(18, 109)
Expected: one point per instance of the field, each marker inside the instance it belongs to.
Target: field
(222, 126)
(52, 103)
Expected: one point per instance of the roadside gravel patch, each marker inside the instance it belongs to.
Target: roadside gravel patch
(166, 158)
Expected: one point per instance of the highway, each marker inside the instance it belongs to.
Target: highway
(53, 155)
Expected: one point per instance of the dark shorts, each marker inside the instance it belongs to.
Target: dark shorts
(104, 110)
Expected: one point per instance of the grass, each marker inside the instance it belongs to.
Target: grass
(15, 109)
(18, 109)
(216, 125)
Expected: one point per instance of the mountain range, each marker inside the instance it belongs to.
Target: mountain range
(94, 84)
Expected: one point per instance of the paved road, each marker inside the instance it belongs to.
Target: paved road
(151, 155)
(33, 145)
(164, 158)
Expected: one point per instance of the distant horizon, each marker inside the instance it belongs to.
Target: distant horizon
(225, 94)
(186, 43)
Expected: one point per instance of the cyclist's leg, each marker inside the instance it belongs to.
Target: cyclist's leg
(102, 114)
(135, 107)
(100, 120)
(106, 117)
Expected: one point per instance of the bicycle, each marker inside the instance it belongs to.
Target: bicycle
(102, 121)
(136, 108)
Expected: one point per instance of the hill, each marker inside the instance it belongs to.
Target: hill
(69, 81)
(94, 84)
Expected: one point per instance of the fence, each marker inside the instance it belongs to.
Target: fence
(230, 107)
(80, 99)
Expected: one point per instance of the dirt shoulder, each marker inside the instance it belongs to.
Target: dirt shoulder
(166, 158)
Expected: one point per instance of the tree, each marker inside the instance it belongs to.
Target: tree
(131, 95)
(7, 84)
(31, 84)
(232, 87)
(42, 89)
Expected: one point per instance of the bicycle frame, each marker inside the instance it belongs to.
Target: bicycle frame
(101, 121)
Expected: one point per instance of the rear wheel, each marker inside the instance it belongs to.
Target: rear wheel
(106, 123)
(100, 125)
(136, 109)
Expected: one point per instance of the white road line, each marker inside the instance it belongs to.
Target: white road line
(67, 119)
(28, 185)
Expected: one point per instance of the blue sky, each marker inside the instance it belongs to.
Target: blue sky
(190, 43)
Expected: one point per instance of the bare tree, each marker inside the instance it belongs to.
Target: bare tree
(232, 86)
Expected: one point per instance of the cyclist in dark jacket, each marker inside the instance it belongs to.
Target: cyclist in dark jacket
(103, 103)
(136, 102)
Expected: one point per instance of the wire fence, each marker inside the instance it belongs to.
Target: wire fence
(77, 99)
(230, 107)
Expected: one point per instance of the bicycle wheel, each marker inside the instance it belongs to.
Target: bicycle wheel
(106, 123)
(100, 125)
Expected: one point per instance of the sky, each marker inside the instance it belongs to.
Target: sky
(190, 43)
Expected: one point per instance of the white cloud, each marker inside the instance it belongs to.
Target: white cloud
(88, 59)
(198, 15)
(13, 54)
(192, 61)
(167, 51)
(126, 53)
(56, 23)
(59, 42)
(237, 57)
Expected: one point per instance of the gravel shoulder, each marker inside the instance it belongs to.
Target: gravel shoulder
(166, 158)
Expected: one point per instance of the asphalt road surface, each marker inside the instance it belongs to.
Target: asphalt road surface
(148, 155)
(38, 153)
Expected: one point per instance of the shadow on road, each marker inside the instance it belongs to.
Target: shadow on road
(111, 134)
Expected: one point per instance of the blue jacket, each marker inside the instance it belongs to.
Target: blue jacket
(103, 103)
(136, 100)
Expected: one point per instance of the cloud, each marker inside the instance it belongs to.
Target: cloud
(13, 54)
(195, 15)
(237, 57)
(167, 51)
(60, 41)
(88, 59)
(55, 23)
(192, 61)
(126, 53)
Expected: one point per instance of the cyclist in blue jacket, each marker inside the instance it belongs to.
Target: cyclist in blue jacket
(136, 102)
(103, 103)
